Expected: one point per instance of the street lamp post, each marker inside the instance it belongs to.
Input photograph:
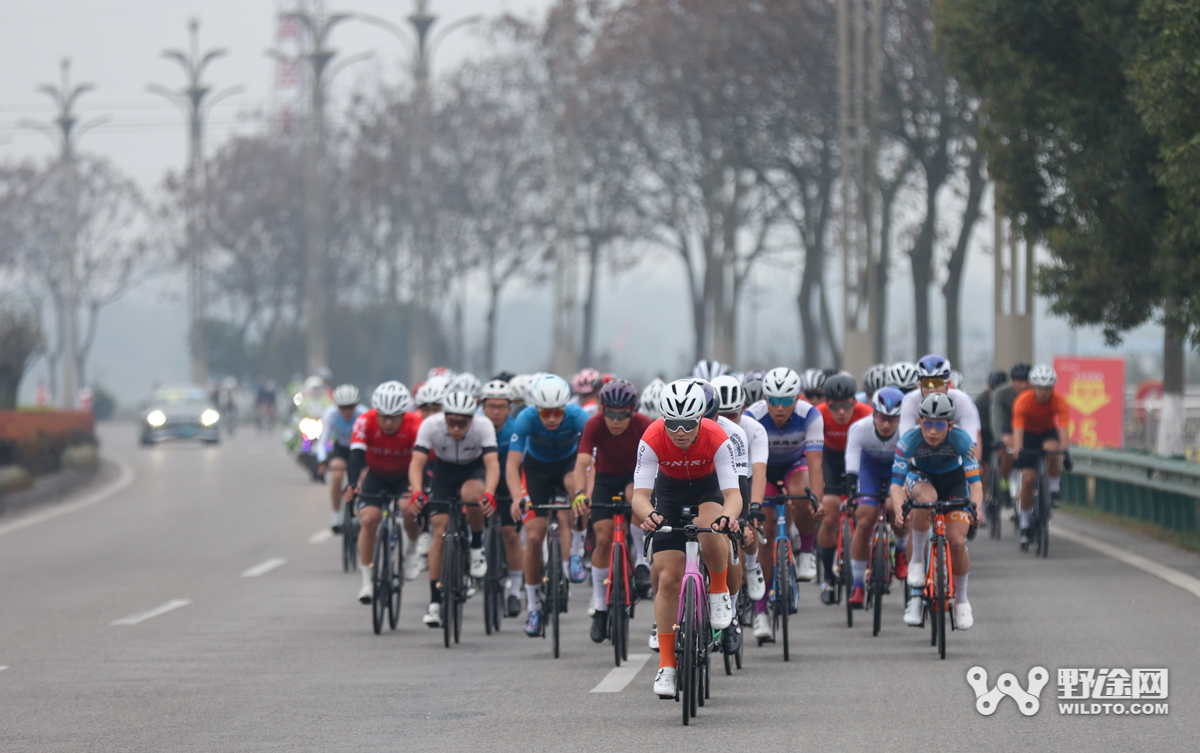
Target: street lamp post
(196, 103)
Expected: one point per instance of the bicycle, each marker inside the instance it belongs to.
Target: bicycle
(842, 570)
(783, 596)
(621, 595)
(388, 572)
(349, 528)
(993, 493)
(694, 636)
(456, 579)
(879, 569)
(1042, 507)
(938, 595)
(555, 589)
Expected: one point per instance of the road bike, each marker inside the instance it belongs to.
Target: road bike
(784, 594)
(349, 530)
(621, 596)
(993, 493)
(879, 568)
(456, 577)
(1042, 504)
(387, 579)
(843, 573)
(494, 606)
(938, 596)
(555, 588)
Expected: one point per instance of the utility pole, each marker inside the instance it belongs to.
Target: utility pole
(66, 132)
(195, 102)
(1013, 337)
(564, 63)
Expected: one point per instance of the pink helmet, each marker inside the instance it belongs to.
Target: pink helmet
(587, 380)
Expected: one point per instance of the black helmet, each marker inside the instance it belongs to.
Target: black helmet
(997, 378)
(840, 387)
(1020, 370)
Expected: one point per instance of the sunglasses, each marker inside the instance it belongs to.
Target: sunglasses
(780, 402)
(555, 413)
(929, 424)
(676, 425)
(932, 383)
(843, 405)
(887, 419)
(618, 415)
(458, 422)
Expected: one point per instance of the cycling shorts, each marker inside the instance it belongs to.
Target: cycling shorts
(374, 486)
(833, 468)
(448, 479)
(778, 476)
(1032, 448)
(338, 450)
(672, 497)
(950, 485)
(544, 480)
(607, 486)
(870, 482)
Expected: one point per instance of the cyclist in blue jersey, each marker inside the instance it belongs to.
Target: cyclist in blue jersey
(497, 406)
(934, 462)
(545, 439)
(333, 449)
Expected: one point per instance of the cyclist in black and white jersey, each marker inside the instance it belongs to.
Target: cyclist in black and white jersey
(468, 468)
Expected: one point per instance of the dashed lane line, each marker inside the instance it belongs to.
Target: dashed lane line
(617, 678)
(263, 567)
(170, 606)
(1145, 564)
(321, 536)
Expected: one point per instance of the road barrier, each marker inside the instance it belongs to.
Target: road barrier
(1156, 490)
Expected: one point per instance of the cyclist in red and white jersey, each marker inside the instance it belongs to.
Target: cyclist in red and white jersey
(382, 442)
(686, 461)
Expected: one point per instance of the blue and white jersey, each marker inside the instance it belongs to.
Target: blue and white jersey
(530, 436)
(503, 437)
(866, 452)
(337, 429)
(803, 432)
(914, 454)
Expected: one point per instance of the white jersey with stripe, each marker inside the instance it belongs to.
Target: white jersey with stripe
(756, 435)
(739, 443)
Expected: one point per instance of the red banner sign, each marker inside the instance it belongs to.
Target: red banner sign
(1095, 390)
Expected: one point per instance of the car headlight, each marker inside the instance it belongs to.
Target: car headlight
(311, 428)
(156, 418)
(209, 417)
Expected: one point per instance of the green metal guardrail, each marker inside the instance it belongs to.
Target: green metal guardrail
(1159, 491)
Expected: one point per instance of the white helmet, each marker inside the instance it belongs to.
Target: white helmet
(875, 378)
(314, 382)
(459, 403)
(903, 374)
(957, 380)
(497, 389)
(1043, 375)
(781, 382)
(729, 394)
(345, 394)
(550, 392)
(519, 387)
(813, 380)
(682, 400)
(391, 399)
(708, 370)
(648, 403)
(938, 405)
(468, 383)
(432, 391)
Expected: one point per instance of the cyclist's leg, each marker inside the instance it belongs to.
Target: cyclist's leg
(369, 515)
(571, 538)
(766, 552)
(714, 547)
(921, 490)
(864, 529)
(668, 570)
(513, 552)
(535, 534)
(1006, 459)
(1053, 461)
(832, 467)
(1027, 462)
(471, 491)
(438, 520)
(337, 479)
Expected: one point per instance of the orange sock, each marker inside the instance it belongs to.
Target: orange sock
(666, 649)
(717, 582)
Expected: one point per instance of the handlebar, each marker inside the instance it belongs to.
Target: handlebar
(808, 494)
(941, 506)
(691, 530)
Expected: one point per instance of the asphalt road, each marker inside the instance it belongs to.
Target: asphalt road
(287, 660)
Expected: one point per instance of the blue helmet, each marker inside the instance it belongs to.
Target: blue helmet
(887, 401)
(933, 367)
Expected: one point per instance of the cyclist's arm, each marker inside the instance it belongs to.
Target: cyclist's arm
(512, 473)
(758, 482)
(583, 467)
(491, 465)
(816, 478)
(416, 469)
(644, 474)
(358, 460)
(899, 473)
(727, 478)
(1064, 423)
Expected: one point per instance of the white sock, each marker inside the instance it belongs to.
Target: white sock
(599, 588)
(1054, 483)
(733, 598)
(638, 538)
(920, 541)
(515, 579)
(577, 538)
(534, 597)
(367, 572)
(337, 518)
(858, 568)
(1014, 479)
(1026, 518)
(566, 570)
(412, 545)
(960, 589)
(751, 561)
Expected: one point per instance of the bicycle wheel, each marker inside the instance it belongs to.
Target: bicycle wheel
(879, 571)
(462, 581)
(491, 583)
(846, 577)
(943, 594)
(618, 617)
(1043, 515)
(554, 577)
(380, 580)
(685, 659)
(783, 590)
(349, 539)
(497, 566)
(993, 501)
(449, 581)
(395, 571)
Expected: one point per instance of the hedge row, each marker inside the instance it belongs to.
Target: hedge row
(35, 440)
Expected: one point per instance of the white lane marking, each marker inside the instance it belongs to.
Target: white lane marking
(321, 536)
(1169, 574)
(124, 479)
(3, 668)
(171, 605)
(619, 677)
(263, 567)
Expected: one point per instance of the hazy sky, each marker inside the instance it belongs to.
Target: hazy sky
(116, 44)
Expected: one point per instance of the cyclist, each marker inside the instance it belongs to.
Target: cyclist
(903, 375)
(545, 438)
(933, 373)
(466, 468)
(812, 385)
(686, 461)
(648, 404)
(429, 395)
(337, 425)
(870, 451)
(983, 404)
(1002, 403)
(796, 438)
(874, 379)
(709, 370)
(466, 382)
(935, 462)
(1039, 421)
(609, 446)
(839, 411)
(382, 442)
(752, 386)
(586, 385)
(497, 406)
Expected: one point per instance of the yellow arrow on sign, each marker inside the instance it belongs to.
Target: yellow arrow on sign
(1088, 396)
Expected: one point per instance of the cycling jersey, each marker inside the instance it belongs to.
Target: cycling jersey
(336, 428)
(756, 437)
(433, 435)
(870, 456)
(531, 437)
(385, 454)
(964, 406)
(1002, 403)
(835, 433)
(915, 455)
(503, 437)
(710, 453)
(739, 444)
(803, 432)
(615, 454)
(1039, 418)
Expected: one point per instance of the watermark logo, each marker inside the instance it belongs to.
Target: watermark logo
(987, 701)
